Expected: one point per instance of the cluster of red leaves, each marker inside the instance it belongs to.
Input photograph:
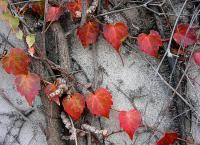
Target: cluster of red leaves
(89, 32)
(17, 63)
(114, 34)
(99, 103)
(74, 8)
(117, 33)
(151, 43)
(54, 12)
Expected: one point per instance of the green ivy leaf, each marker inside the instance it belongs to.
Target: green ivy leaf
(30, 40)
(19, 35)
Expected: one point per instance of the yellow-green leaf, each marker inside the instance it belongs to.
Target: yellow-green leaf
(30, 40)
(19, 34)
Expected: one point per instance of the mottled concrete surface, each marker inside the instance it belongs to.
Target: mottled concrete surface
(193, 77)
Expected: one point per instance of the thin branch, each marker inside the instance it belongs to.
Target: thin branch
(168, 52)
(161, 77)
(84, 12)
(121, 10)
(6, 39)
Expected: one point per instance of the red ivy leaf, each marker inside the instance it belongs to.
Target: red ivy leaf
(180, 35)
(115, 34)
(168, 139)
(50, 89)
(196, 57)
(74, 7)
(74, 105)
(150, 44)
(100, 103)
(88, 33)
(16, 62)
(54, 13)
(28, 86)
(130, 121)
(38, 7)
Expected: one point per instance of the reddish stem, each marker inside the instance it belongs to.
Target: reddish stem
(114, 132)
(165, 40)
(115, 110)
(132, 37)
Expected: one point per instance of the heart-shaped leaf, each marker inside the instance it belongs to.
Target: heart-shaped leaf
(74, 105)
(180, 35)
(130, 121)
(30, 40)
(150, 44)
(54, 14)
(100, 102)
(115, 34)
(19, 35)
(28, 86)
(88, 33)
(16, 62)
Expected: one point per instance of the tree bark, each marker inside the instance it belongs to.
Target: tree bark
(52, 111)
